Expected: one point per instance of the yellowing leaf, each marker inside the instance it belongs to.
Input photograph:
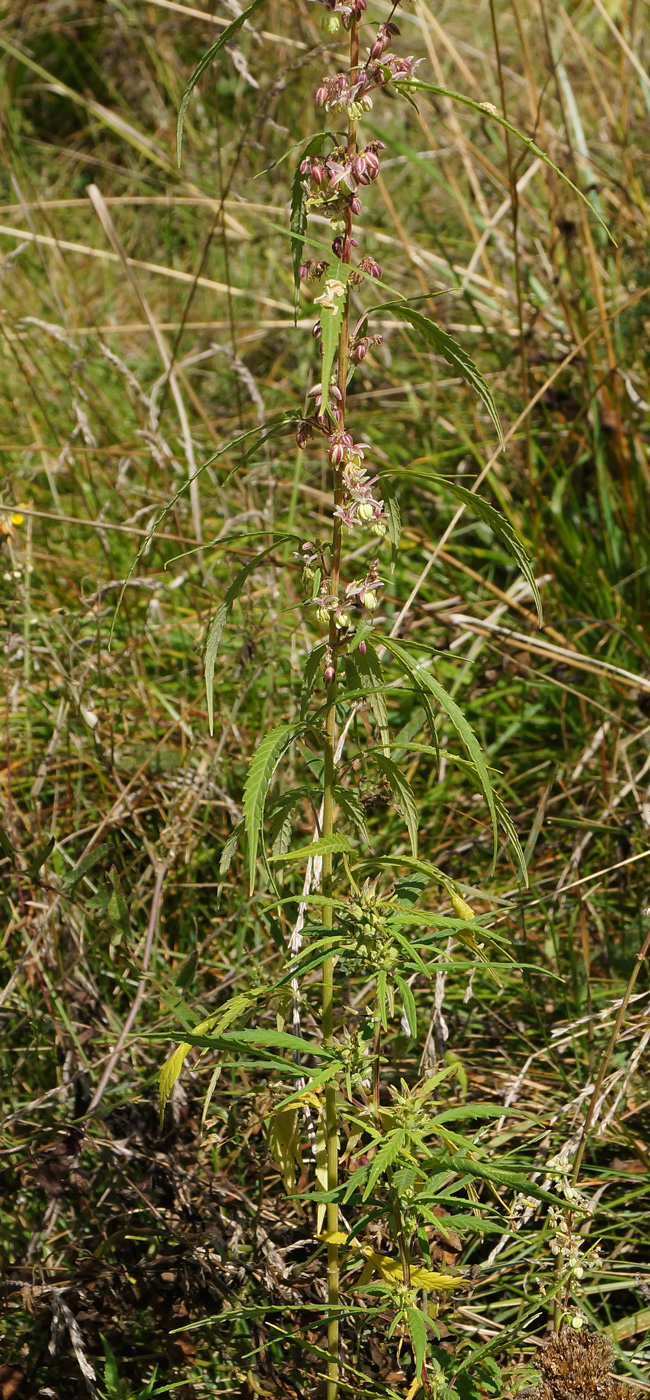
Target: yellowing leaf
(284, 1142)
(390, 1270)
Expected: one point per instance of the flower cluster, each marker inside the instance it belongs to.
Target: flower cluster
(359, 506)
(341, 12)
(349, 93)
(331, 184)
(363, 592)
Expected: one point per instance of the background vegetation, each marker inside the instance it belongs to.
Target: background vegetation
(118, 1235)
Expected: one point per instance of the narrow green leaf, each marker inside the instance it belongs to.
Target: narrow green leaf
(224, 38)
(351, 806)
(370, 671)
(502, 811)
(5, 843)
(393, 512)
(41, 854)
(404, 793)
(86, 863)
(382, 982)
(461, 724)
(324, 846)
(497, 521)
(310, 674)
(261, 769)
(230, 848)
(452, 352)
(331, 319)
(488, 112)
(386, 1154)
(418, 1334)
(466, 1166)
(408, 1002)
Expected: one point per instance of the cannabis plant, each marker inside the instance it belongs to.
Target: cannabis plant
(383, 1151)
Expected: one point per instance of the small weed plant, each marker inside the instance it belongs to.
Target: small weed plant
(387, 1169)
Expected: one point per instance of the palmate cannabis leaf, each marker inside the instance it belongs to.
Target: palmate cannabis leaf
(453, 353)
(224, 38)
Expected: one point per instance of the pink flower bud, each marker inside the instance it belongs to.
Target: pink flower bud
(336, 454)
(372, 164)
(359, 352)
(321, 98)
(303, 271)
(355, 204)
(362, 648)
(318, 174)
(329, 675)
(337, 246)
(359, 165)
(336, 392)
(317, 330)
(305, 166)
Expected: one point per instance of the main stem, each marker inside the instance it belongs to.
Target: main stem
(331, 1124)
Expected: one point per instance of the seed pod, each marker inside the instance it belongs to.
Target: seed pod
(323, 615)
(369, 600)
(378, 528)
(461, 908)
(343, 620)
(365, 511)
(377, 49)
